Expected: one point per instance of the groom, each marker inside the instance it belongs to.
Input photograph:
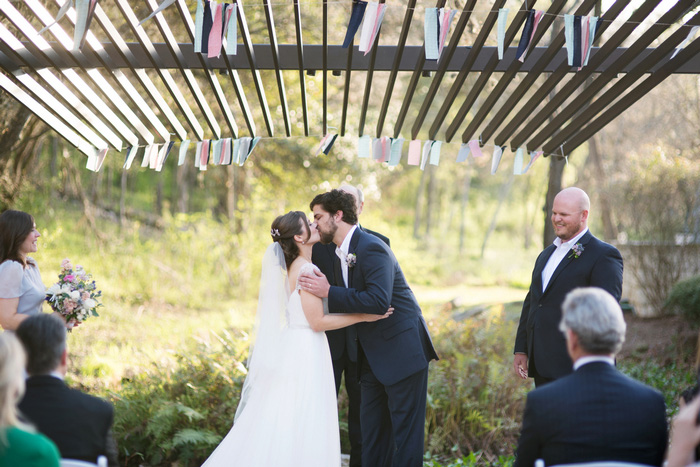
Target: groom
(393, 354)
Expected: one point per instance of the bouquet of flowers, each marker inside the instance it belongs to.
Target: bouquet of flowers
(74, 296)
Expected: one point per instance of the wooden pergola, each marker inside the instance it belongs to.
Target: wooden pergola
(125, 87)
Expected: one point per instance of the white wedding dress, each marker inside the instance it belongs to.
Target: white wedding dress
(288, 415)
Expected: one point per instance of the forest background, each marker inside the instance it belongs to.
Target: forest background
(177, 256)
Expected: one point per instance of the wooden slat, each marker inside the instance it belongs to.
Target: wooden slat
(272, 34)
(626, 82)
(505, 79)
(346, 87)
(368, 81)
(485, 75)
(456, 87)
(300, 58)
(325, 66)
(579, 78)
(395, 67)
(257, 80)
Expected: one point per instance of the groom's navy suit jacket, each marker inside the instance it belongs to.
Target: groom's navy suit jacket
(400, 345)
(594, 414)
(538, 336)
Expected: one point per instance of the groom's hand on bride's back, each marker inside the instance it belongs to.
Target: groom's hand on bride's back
(315, 283)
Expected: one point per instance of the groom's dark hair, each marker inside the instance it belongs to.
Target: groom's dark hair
(336, 200)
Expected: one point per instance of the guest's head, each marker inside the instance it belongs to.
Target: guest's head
(592, 322)
(330, 210)
(18, 236)
(12, 360)
(43, 337)
(357, 194)
(292, 231)
(570, 212)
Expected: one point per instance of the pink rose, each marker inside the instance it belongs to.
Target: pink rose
(65, 264)
(84, 296)
(69, 278)
(68, 306)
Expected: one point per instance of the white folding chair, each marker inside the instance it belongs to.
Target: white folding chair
(595, 464)
(101, 462)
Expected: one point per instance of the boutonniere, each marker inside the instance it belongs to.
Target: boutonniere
(576, 250)
(351, 259)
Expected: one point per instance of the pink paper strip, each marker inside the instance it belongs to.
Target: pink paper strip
(383, 144)
(475, 148)
(204, 155)
(447, 16)
(215, 34)
(381, 9)
(414, 152)
(538, 17)
(585, 38)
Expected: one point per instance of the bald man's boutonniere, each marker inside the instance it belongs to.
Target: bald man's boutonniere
(351, 259)
(576, 251)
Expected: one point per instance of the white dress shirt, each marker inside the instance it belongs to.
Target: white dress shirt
(342, 252)
(593, 358)
(562, 249)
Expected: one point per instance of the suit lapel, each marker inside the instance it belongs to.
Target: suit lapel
(567, 260)
(537, 279)
(353, 246)
(337, 271)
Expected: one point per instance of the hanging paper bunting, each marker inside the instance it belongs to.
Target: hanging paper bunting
(329, 143)
(161, 7)
(569, 36)
(197, 154)
(446, 17)
(592, 28)
(232, 30)
(475, 148)
(226, 152)
(167, 148)
(207, 24)
(236, 151)
(198, 26)
(501, 31)
(204, 154)
(533, 157)
(414, 152)
(496, 158)
(160, 157)
(376, 149)
(385, 148)
(61, 13)
(518, 162)
(147, 155)
(82, 12)
(396, 148)
(435, 153)
(374, 14)
(247, 146)
(364, 143)
(183, 152)
(215, 151)
(130, 156)
(153, 157)
(321, 144)
(95, 160)
(216, 33)
(463, 153)
(431, 31)
(691, 34)
(533, 20)
(358, 11)
(426, 152)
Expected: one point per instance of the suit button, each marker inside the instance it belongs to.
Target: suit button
(539, 306)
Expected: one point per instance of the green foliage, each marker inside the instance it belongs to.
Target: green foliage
(685, 299)
(179, 411)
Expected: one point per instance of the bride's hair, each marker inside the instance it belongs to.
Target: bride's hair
(284, 228)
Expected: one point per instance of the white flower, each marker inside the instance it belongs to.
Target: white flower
(89, 304)
(54, 289)
(74, 295)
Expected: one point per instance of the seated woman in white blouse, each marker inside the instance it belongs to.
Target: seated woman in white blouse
(21, 290)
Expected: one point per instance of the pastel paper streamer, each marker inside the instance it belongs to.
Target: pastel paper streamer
(166, 152)
(374, 14)
(198, 26)
(82, 10)
(207, 23)
(232, 30)
(569, 36)
(692, 32)
(226, 152)
(329, 143)
(430, 31)
(161, 7)
(592, 28)
(414, 152)
(153, 156)
(585, 37)
(475, 148)
(204, 154)
(253, 144)
(160, 157)
(463, 153)
(435, 153)
(321, 144)
(100, 159)
(147, 155)
(236, 151)
(376, 149)
(61, 13)
(518, 162)
(363, 146)
(183, 152)
(384, 143)
(533, 157)
(358, 11)
(496, 158)
(533, 20)
(214, 45)
(96, 159)
(577, 41)
(197, 154)
(130, 156)
(446, 17)
(426, 152)
(243, 150)
(501, 31)
(396, 148)
(215, 151)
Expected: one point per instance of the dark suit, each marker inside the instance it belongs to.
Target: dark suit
(343, 345)
(393, 353)
(538, 336)
(594, 414)
(78, 423)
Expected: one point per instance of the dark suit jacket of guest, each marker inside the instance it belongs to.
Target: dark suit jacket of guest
(538, 336)
(78, 423)
(396, 347)
(594, 414)
(342, 342)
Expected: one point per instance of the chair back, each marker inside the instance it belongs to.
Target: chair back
(101, 462)
(600, 464)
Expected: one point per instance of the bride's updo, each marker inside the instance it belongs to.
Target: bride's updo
(283, 230)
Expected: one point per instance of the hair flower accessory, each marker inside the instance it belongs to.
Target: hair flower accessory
(351, 259)
(576, 251)
(275, 232)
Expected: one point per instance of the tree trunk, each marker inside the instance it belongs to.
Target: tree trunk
(122, 200)
(230, 193)
(556, 171)
(419, 199)
(609, 228)
(183, 188)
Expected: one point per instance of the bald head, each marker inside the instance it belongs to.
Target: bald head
(357, 194)
(570, 213)
(576, 197)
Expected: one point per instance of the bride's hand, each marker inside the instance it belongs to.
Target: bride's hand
(373, 318)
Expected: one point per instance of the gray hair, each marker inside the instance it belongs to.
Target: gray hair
(44, 339)
(596, 318)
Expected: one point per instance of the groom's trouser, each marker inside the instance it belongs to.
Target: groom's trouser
(393, 420)
(352, 386)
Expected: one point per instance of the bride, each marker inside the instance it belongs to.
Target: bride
(287, 415)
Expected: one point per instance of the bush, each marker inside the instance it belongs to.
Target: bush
(684, 299)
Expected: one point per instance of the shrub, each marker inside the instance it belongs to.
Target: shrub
(684, 299)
